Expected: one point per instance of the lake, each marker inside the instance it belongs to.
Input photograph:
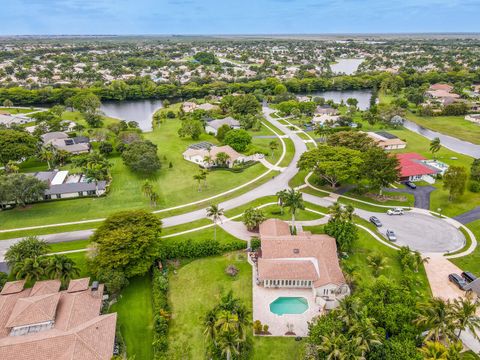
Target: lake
(363, 96)
(140, 111)
(346, 66)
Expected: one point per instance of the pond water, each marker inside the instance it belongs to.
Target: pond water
(346, 66)
(140, 111)
(289, 305)
(363, 96)
(450, 142)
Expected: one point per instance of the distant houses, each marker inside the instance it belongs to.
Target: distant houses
(473, 118)
(206, 155)
(61, 141)
(8, 119)
(62, 185)
(189, 106)
(387, 141)
(213, 125)
(442, 93)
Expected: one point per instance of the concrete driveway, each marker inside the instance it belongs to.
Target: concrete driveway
(424, 233)
(438, 268)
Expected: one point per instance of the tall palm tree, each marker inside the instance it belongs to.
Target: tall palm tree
(435, 146)
(364, 333)
(349, 309)
(62, 267)
(208, 160)
(294, 202)
(154, 198)
(377, 262)
(418, 260)
(215, 213)
(281, 195)
(465, 315)
(436, 315)
(228, 343)
(30, 268)
(198, 178)
(333, 345)
(46, 154)
(147, 188)
(96, 172)
(222, 158)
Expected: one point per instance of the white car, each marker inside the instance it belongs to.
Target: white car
(395, 211)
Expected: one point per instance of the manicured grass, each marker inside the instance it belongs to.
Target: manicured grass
(290, 152)
(135, 317)
(183, 227)
(298, 179)
(223, 237)
(17, 111)
(471, 262)
(47, 230)
(69, 245)
(198, 286)
(455, 126)
(174, 185)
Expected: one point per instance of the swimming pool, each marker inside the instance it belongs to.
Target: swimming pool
(289, 305)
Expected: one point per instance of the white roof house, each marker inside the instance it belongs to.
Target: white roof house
(214, 125)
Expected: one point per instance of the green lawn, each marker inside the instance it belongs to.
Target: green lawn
(455, 126)
(135, 318)
(174, 185)
(471, 262)
(17, 111)
(197, 287)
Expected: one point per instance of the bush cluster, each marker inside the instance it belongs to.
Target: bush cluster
(196, 249)
(161, 313)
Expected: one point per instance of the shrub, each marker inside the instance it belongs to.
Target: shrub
(474, 186)
(160, 309)
(195, 249)
(257, 326)
(255, 244)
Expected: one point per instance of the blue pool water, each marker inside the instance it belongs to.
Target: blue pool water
(289, 305)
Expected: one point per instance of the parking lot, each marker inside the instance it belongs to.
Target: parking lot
(421, 232)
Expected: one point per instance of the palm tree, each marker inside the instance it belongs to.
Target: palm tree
(435, 146)
(215, 213)
(364, 333)
(464, 314)
(62, 267)
(281, 195)
(273, 145)
(349, 309)
(147, 188)
(198, 178)
(418, 260)
(97, 171)
(154, 198)
(228, 343)
(377, 262)
(30, 268)
(208, 160)
(333, 346)
(204, 176)
(46, 154)
(294, 202)
(222, 158)
(436, 315)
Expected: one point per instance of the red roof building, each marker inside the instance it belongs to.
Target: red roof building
(412, 168)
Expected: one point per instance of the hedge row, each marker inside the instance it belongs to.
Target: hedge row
(161, 314)
(174, 248)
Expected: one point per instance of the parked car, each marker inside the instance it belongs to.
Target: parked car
(468, 276)
(457, 280)
(375, 221)
(411, 185)
(395, 211)
(391, 235)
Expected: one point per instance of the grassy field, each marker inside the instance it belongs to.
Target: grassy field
(197, 287)
(455, 126)
(135, 318)
(471, 262)
(15, 111)
(174, 185)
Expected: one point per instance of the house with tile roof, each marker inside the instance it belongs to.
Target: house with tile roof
(198, 153)
(302, 261)
(44, 323)
(213, 125)
(415, 167)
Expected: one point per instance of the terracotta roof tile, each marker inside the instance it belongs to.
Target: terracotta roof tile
(78, 285)
(12, 287)
(46, 287)
(33, 310)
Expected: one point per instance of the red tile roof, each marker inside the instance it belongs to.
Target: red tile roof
(410, 165)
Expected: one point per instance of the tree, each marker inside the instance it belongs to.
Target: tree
(96, 172)
(142, 157)
(281, 196)
(252, 218)
(475, 170)
(127, 241)
(154, 197)
(437, 317)
(30, 268)
(147, 188)
(47, 154)
(16, 145)
(25, 189)
(191, 128)
(222, 131)
(352, 102)
(273, 145)
(377, 262)
(454, 181)
(198, 178)
(206, 58)
(351, 139)
(62, 268)
(294, 201)
(380, 168)
(7, 103)
(238, 139)
(435, 145)
(222, 158)
(332, 164)
(105, 148)
(86, 102)
(30, 247)
(215, 213)
(341, 226)
(465, 315)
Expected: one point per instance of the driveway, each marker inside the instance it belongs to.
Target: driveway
(469, 216)
(421, 194)
(438, 268)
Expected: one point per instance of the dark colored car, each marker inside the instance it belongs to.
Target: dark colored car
(375, 221)
(468, 276)
(411, 185)
(457, 280)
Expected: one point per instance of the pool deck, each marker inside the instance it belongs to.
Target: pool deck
(262, 297)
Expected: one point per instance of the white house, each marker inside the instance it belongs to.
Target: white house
(473, 118)
(198, 153)
(213, 125)
(61, 141)
(303, 261)
(386, 140)
(322, 119)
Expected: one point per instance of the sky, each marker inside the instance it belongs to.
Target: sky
(128, 17)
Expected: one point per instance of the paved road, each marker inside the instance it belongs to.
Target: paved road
(469, 216)
(421, 194)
